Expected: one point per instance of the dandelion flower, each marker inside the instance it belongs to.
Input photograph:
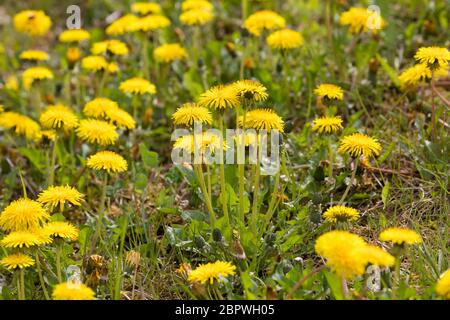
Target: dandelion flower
(189, 113)
(251, 90)
(196, 4)
(341, 213)
(94, 63)
(55, 196)
(73, 54)
(98, 107)
(120, 118)
(329, 91)
(120, 26)
(21, 124)
(58, 116)
(27, 239)
(205, 141)
(107, 160)
(170, 52)
(285, 39)
(219, 97)
(61, 229)
(23, 214)
(362, 20)
(400, 236)
(11, 83)
(343, 252)
(72, 291)
(377, 256)
(113, 68)
(358, 144)
(97, 131)
(412, 76)
(196, 17)
(32, 22)
(443, 285)
(137, 85)
(212, 271)
(327, 124)
(115, 47)
(433, 57)
(262, 119)
(74, 35)
(34, 55)
(146, 7)
(17, 261)
(35, 73)
(50, 135)
(149, 23)
(264, 20)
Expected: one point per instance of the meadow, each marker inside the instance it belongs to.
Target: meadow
(334, 183)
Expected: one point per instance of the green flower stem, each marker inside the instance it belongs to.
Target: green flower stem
(199, 173)
(118, 279)
(41, 278)
(255, 206)
(146, 63)
(241, 168)
(22, 284)
(36, 98)
(433, 110)
(344, 287)
(352, 180)
(103, 79)
(222, 179)
(330, 156)
(51, 168)
(58, 261)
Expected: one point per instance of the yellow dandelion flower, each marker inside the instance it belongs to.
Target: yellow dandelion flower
(35, 55)
(72, 291)
(285, 39)
(412, 76)
(329, 91)
(35, 73)
(264, 20)
(251, 90)
(120, 26)
(32, 22)
(24, 239)
(189, 113)
(433, 57)
(184, 270)
(341, 213)
(196, 17)
(443, 285)
(94, 63)
(57, 117)
(113, 46)
(185, 143)
(343, 252)
(17, 261)
(113, 68)
(73, 54)
(97, 131)
(133, 258)
(107, 160)
(169, 52)
(377, 256)
(120, 118)
(205, 141)
(146, 7)
(11, 83)
(137, 85)
(21, 124)
(46, 134)
(74, 35)
(219, 97)
(149, 23)
(23, 214)
(61, 229)
(327, 124)
(55, 196)
(400, 236)
(196, 4)
(358, 144)
(362, 20)
(250, 139)
(262, 119)
(98, 107)
(211, 272)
